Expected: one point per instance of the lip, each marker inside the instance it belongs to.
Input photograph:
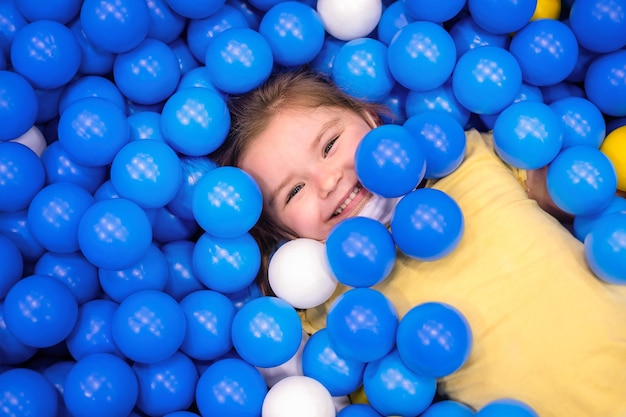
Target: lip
(355, 205)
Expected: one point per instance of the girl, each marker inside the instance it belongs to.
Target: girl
(546, 330)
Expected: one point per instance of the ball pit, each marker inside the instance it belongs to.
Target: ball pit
(116, 230)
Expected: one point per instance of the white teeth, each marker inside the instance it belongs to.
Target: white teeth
(347, 201)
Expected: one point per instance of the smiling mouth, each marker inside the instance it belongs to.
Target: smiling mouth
(348, 200)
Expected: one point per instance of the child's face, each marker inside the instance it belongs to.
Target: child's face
(304, 165)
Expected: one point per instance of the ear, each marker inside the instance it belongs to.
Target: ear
(371, 119)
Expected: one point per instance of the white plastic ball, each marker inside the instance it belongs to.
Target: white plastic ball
(348, 20)
(300, 396)
(299, 273)
(34, 139)
(290, 368)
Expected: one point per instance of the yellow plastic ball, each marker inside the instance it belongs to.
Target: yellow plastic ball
(547, 9)
(614, 147)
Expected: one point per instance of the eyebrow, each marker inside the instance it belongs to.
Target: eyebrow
(314, 144)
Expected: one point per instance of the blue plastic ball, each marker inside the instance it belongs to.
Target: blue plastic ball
(360, 252)
(93, 332)
(209, 322)
(115, 25)
(442, 139)
(294, 32)
(467, 35)
(581, 180)
(323, 61)
(147, 172)
(60, 166)
(186, 60)
(434, 339)
(389, 161)
(599, 25)
(528, 135)
(18, 105)
(149, 326)
(62, 11)
(194, 9)
(145, 125)
(14, 225)
(448, 408)
(423, 48)
(501, 16)
(339, 374)
(605, 83)
(546, 50)
(22, 176)
(101, 385)
(54, 214)
(12, 265)
(92, 130)
(362, 324)
(166, 386)
(394, 390)
(94, 61)
(438, 12)
(361, 69)
(227, 202)
(440, 99)
(358, 410)
(239, 59)
(266, 331)
(164, 24)
(195, 121)
(564, 89)
(181, 279)
(11, 22)
(508, 407)
(46, 53)
(40, 311)
(12, 350)
(193, 168)
(582, 224)
(427, 224)
(74, 271)
(148, 73)
(91, 86)
(114, 233)
(167, 227)
(149, 273)
(26, 392)
(581, 120)
(488, 71)
(605, 248)
(394, 17)
(231, 387)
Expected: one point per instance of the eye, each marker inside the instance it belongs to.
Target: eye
(295, 190)
(329, 146)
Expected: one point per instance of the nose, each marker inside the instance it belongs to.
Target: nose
(327, 181)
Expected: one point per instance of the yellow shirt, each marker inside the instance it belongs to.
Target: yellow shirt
(546, 331)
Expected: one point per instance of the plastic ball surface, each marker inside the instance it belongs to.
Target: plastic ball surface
(389, 161)
(114, 233)
(40, 311)
(195, 121)
(298, 395)
(528, 135)
(90, 86)
(22, 176)
(358, 410)
(12, 265)
(18, 105)
(448, 408)
(440, 99)
(27, 393)
(506, 406)
(147, 74)
(149, 326)
(488, 71)
(181, 279)
(360, 252)
(166, 386)
(546, 50)
(433, 12)
(195, 10)
(582, 224)
(362, 324)
(12, 350)
(93, 332)
(350, 20)
(511, 15)
(193, 168)
(231, 387)
(227, 202)
(582, 121)
(46, 53)
(614, 147)
(299, 273)
(14, 225)
(100, 385)
(294, 31)
(605, 83)
(469, 35)
(423, 48)
(581, 180)
(73, 270)
(239, 60)
(427, 215)
(393, 389)
(92, 130)
(266, 331)
(54, 214)
(605, 248)
(338, 374)
(599, 25)
(434, 339)
(115, 25)
(209, 322)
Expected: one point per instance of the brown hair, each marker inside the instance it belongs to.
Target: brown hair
(252, 112)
